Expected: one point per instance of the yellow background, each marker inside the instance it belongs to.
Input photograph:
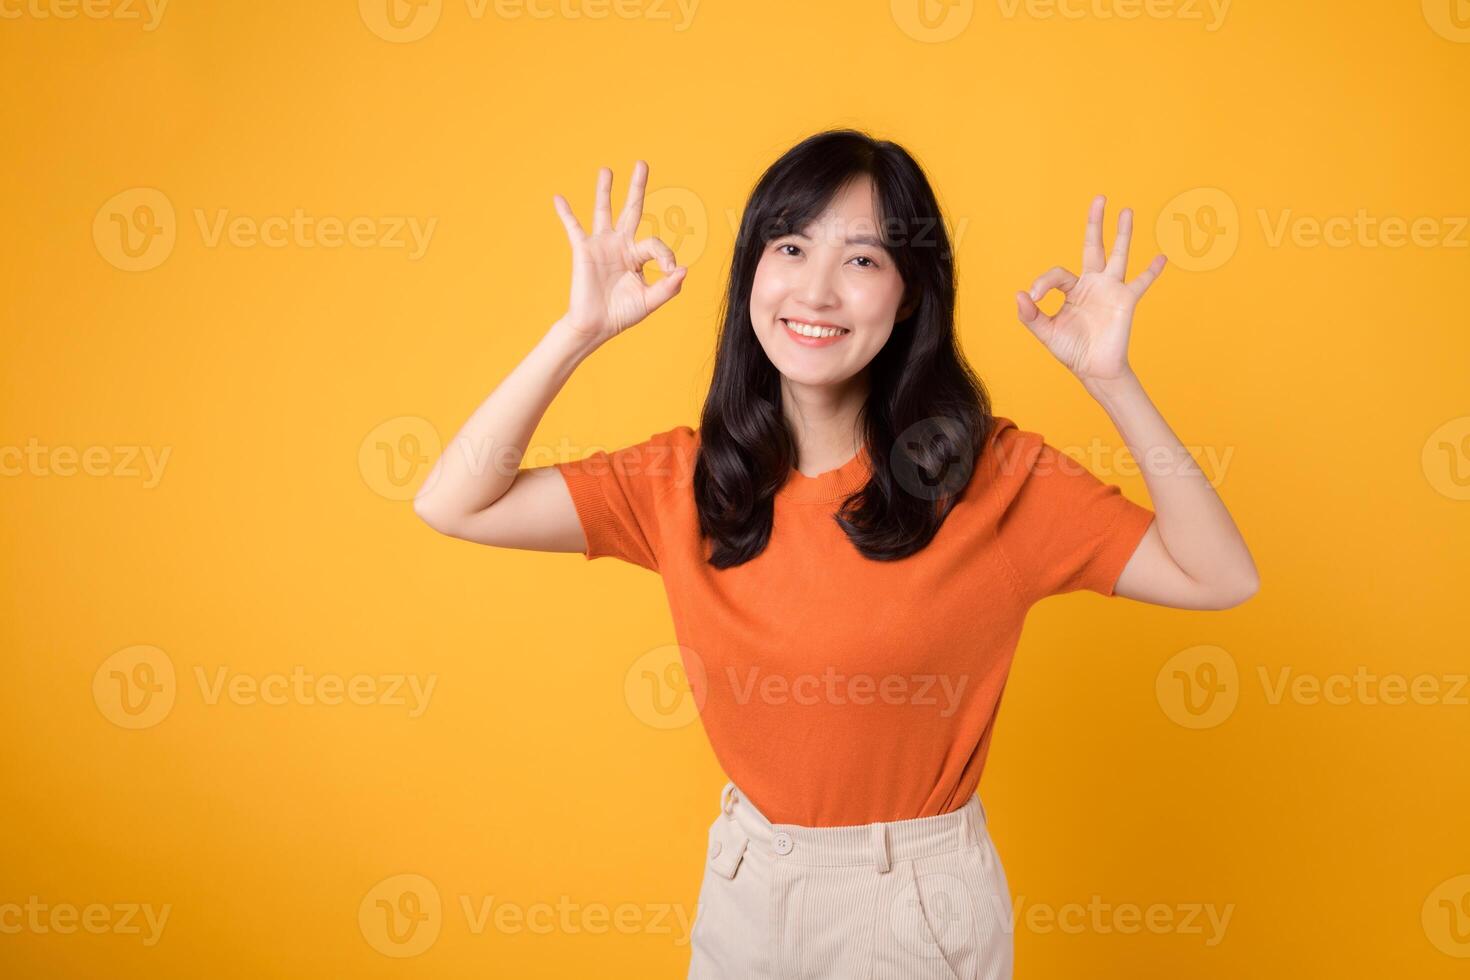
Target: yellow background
(1328, 381)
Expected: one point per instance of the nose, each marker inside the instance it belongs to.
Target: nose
(817, 288)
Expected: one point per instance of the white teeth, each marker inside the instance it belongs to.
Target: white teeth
(807, 330)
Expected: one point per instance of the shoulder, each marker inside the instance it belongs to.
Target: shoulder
(654, 462)
(662, 462)
(1008, 455)
(1017, 462)
(1012, 453)
(677, 449)
(680, 436)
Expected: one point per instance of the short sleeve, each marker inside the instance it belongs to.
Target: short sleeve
(1065, 529)
(617, 495)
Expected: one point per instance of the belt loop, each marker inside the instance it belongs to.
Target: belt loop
(880, 847)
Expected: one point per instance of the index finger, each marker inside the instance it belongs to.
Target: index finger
(569, 221)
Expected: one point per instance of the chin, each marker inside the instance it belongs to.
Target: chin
(814, 377)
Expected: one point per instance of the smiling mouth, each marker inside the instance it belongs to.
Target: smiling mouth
(814, 332)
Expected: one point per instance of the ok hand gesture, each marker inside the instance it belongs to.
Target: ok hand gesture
(609, 293)
(1089, 334)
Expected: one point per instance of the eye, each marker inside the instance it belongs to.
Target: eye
(871, 264)
(788, 245)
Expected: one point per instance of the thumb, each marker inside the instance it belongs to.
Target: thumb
(664, 290)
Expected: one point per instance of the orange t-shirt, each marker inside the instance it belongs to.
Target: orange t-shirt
(838, 690)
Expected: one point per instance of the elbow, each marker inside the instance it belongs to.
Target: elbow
(434, 516)
(1240, 591)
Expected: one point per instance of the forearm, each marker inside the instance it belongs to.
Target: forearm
(1192, 520)
(481, 461)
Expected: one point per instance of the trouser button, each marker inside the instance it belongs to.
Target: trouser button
(782, 843)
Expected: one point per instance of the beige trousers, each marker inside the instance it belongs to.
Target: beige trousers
(921, 899)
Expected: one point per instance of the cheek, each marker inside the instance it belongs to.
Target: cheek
(878, 299)
(767, 290)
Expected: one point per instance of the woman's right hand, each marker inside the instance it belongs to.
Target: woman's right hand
(609, 293)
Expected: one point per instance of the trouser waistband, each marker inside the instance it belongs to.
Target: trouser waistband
(877, 844)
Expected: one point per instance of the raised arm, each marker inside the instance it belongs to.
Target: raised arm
(1193, 557)
(477, 490)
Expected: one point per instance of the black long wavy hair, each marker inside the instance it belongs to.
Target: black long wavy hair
(927, 413)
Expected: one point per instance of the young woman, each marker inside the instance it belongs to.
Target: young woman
(849, 542)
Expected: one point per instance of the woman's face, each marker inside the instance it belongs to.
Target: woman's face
(835, 273)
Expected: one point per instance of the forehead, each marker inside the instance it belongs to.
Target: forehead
(853, 210)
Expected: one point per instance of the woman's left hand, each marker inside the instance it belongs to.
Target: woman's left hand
(1089, 334)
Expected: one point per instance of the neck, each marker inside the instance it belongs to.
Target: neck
(826, 422)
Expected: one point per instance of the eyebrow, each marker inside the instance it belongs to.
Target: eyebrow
(853, 240)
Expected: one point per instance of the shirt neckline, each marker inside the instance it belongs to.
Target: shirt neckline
(833, 484)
